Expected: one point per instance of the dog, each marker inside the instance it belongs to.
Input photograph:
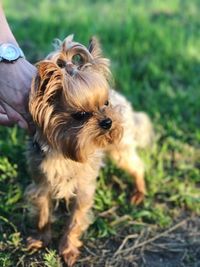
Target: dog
(79, 120)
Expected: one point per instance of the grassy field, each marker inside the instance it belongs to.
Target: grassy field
(154, 50)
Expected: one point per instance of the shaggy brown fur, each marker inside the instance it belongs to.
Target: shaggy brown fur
(78, 119)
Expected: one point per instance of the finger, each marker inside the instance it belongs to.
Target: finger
(22, 124)
(4, 120)
(2, 110)
(14, 117)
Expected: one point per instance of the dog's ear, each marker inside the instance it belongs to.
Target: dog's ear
(95, 47)
(46, 71)
(46, 88)
(67, 42)
(101, 63)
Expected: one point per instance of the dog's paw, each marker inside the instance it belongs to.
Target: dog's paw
(34, 244)
(137, 198)
(70, 255)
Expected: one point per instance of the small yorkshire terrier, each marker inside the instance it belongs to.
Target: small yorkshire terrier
(79, 119)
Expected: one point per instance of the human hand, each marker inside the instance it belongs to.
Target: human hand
(15, 84)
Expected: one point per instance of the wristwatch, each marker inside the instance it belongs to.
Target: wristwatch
(10, 52)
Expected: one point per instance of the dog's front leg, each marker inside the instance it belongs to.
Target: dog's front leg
(79, 221)
(134, 166)
(127, 158)
(42, 204)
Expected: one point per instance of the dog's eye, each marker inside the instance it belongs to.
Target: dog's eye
(77, 59)
(106, 103)
(61, 63)
(81, 115)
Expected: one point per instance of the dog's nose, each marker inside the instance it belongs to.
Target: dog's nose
(106, 123)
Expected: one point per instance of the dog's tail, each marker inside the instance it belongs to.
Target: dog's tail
(143, 130)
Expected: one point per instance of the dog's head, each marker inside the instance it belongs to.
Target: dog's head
(69, 100)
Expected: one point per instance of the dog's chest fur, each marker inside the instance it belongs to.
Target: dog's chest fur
(64, 177)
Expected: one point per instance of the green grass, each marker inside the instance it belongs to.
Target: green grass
(154, 50)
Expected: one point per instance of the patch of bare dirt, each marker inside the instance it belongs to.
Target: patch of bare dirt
(178, 246)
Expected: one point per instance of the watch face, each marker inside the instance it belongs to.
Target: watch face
(9, 52)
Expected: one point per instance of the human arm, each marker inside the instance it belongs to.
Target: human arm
(15, 83)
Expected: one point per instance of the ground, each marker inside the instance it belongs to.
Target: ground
(155, 60)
